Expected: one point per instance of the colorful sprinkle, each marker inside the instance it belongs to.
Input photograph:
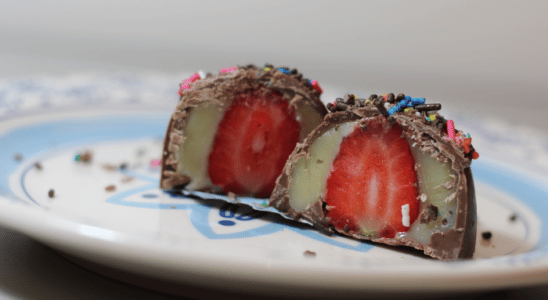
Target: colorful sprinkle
(285, 71)
(475, 155)
(315, 85)
(228, 70)
(267, 69)
(265, 203)
(466, 145)
(450, 129)
(77, 158)
(185, 85)
(155, 163)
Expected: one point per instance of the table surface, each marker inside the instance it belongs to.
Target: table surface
(484, 56)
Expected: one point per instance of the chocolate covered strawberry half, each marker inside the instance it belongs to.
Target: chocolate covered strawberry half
(233, 133)
(388, 169)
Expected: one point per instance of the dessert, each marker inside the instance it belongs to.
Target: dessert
(233, 132)
(388, 169)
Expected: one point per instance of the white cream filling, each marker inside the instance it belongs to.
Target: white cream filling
(199, 134)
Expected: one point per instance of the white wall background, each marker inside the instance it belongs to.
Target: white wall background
(489, 56)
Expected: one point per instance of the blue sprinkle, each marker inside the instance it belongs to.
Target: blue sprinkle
(418, 101)
(309, 81)
(285, 71)
(392, 110)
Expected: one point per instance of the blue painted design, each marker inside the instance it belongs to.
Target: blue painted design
(149, 196)
(227, 223)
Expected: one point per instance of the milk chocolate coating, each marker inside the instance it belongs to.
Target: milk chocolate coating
(456, 243)
(219, 91)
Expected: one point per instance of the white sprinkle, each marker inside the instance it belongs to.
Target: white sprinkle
(423, 197)
(418, 114)
(405, 215)
(386, 105)
(202, 74)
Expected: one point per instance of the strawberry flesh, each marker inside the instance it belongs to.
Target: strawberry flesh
(373, 176)
(257, 134)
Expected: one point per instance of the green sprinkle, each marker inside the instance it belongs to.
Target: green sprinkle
(265, 204)
(77, 158)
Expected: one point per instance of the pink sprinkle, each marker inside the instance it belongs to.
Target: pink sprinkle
(315, 85)
(450, 129)
(192, 78)
(228, 70)
(184, 87)
(155, 163)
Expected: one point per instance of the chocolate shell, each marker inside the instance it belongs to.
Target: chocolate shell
(204, 99)
(446, 224)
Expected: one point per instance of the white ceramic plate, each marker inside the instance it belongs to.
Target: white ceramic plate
(138, 228)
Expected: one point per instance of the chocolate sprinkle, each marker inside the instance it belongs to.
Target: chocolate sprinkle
(513, 217)
(380, 106)
(428, 107)
(486, 235)
(38, 166)
(309, 253)
(18, 157)
(391, 98)
(400, 97)
(110, 188)
(51, 193)
(349, 99)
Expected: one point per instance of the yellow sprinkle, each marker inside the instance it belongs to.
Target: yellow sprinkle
(267, 69)
(407, 109)
(432, 117)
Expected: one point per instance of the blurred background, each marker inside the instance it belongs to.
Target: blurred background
(484, 56)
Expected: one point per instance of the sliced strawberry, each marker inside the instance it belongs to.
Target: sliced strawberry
(373, 176)
(252, 143)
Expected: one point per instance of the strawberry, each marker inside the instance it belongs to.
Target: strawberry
(253, 141)
(373, 176)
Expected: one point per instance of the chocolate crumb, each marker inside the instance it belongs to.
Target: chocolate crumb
(444, 222)
(127, 179)
(486, 235)
(346, 228)
(109, 167)
(173, 207)
(513, 217)
(429, 214)
(319, 161)
(51, 193)
(18, 157)
(123, 166)
(110, 188)
(86, 157)
(38, 166)
(309, 253)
